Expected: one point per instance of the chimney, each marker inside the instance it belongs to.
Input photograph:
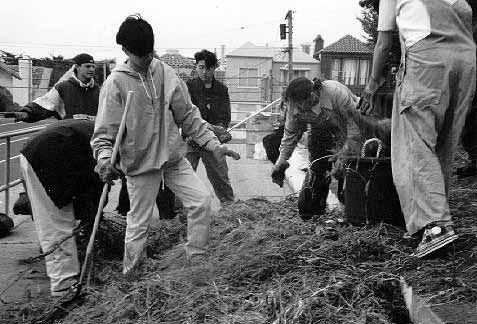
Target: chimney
(306, 48)
(318, 46)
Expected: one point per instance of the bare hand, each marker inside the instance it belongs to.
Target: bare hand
(365, 104)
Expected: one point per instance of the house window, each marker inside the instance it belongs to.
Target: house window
(363, 72)
(248, 78)
(350, 69)
(335, 69)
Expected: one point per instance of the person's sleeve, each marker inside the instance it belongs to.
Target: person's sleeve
(108, 119)
(387, 15)
(291, 135)
(187, 116)
(343, 99)
(36, 112)
(53, 101)
(224, 109)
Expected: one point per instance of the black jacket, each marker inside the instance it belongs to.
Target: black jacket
(213, 103)
(62, 159)
(76, 100)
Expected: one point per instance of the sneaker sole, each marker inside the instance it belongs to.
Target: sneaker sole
(436, 247)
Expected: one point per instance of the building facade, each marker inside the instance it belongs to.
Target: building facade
(257, 75)
(348, 61)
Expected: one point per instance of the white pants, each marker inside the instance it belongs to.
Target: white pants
(143, 189)
(52, 225)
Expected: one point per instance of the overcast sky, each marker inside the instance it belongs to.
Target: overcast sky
(53, 27)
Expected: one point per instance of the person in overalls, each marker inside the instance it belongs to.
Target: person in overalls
(434, 90)
(469, 133)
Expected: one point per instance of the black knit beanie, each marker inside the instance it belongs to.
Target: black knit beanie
(83, 58)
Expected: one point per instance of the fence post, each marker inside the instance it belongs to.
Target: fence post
(7, 175)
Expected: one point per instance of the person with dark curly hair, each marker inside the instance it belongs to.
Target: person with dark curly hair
(326, 107)
(212, 98)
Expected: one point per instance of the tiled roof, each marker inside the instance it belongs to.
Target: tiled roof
(177, 60)
(9, 70)
(348, 44)
(276, 54)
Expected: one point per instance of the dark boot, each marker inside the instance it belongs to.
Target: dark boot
(468, 170)
(22, 205)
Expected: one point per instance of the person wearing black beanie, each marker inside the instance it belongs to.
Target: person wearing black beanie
(75, 97)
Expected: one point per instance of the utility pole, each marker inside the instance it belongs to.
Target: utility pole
(289, 16)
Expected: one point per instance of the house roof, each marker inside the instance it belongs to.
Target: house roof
(5, 68)
(251, 50)
(298, 57)
(276, 54)
(177, 60)
(349, 45)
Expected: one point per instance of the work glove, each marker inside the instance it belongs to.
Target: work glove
(365, 104)
(18, 115)
(221, 151)
(278, 172)
(220, 132)
(107, 172)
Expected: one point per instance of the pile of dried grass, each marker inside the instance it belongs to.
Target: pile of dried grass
(265, 266)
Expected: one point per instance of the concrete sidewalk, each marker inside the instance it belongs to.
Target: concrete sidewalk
(20, 283)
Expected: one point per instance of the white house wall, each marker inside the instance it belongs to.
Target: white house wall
(240, 94)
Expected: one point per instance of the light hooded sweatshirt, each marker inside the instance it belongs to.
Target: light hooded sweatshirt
(152, 136)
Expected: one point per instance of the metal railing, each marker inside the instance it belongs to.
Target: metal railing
(7, 137)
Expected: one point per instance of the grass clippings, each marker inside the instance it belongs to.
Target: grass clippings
(265, 266)
(268, 266)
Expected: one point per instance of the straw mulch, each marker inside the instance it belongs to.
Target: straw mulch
(268, 266)
(265, 266)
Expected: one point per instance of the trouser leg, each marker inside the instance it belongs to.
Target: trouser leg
(469, 135)
(187, 186)
(315, 188)
(52, 224)
(218, 174)
(142, 191)
(425, 133)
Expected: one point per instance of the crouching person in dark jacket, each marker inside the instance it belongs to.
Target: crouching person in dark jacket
(58, 169)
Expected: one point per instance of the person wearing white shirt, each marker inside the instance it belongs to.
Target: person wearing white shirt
(434, 89)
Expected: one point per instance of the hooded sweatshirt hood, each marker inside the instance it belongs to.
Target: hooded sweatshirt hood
(159, 107)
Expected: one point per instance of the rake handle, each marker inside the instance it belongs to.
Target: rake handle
(104, 194)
